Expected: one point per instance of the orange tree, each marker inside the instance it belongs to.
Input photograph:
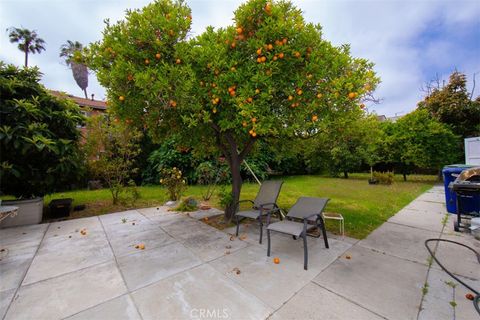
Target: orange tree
(269, 75)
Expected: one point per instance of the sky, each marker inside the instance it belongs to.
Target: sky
(411, 42)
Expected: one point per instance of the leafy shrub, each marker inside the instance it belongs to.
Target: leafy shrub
(225, 198)
(211, 174)
(188, 204)
(111, 149)
(383, 177)
(169, 155)
(173, 180)
(39, 151)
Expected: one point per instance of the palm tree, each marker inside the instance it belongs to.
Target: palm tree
(28, 41)
(71, 53)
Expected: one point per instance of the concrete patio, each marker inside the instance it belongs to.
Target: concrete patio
(191, 270)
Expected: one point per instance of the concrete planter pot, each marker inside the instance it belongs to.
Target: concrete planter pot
(30, 211)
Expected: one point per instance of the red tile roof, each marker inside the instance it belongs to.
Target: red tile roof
(82, 102)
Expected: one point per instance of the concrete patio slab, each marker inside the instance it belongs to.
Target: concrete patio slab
(419, 219)
(62, 254)
(63, 296)
(400, 241)
(211, 245)
(33, 233)
(184, 228)
(121, 308)
(198, 293)
(427, 206)
(5, 300)
(71, 227)
(436, 304)
(12, 272)
(315, 302)
(432, 197)
(200, 214)
(156, 264)
(386, 285)
(124, 243)
(458, 259)
(116, 218)
(155, 211)
(284, 279)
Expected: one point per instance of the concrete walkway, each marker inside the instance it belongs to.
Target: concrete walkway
(90, 269)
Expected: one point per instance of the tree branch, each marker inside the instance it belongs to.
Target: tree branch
(247, 149)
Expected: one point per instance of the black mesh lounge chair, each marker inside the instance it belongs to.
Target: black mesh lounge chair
(264, 203)
(306, 213)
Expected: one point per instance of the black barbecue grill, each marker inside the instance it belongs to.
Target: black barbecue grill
(466, 186)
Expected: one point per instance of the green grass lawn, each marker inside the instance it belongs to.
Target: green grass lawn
(363, 206)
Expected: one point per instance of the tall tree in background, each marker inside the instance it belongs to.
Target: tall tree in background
(452, 104)
(28, 41)
(71, 52)
(270, 75)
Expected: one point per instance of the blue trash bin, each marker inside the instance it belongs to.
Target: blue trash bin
(450, 173)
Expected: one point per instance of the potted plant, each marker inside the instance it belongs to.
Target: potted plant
(38, 143)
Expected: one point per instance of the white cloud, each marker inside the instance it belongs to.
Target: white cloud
(393, 34)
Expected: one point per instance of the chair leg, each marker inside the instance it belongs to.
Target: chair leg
(324, 232)
(305, 252)
(268, 240)
(238, 225)
(261, 229)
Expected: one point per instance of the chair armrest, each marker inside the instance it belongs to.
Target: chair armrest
(273, 204)
(240, 201)
(313, 215)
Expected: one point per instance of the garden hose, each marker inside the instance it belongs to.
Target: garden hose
(476, 300)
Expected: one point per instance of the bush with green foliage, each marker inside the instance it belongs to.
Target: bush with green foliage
(383, 177)
(187, 205)
(111, 148)
(173, 180)
(39, 151)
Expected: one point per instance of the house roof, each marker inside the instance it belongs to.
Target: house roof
(82, 102)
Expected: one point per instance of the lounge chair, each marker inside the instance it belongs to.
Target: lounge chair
(305, 214)
(264, 203)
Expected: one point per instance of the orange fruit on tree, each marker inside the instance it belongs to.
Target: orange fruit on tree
(254, 134)
(257, 91)
(173, 103)
(244, 124)
(297, 54)
(129, 77)
(249, 99)
(281, 55)
(264, 59)
(147, 61)
(275, 58)
(269, 47)
(299, 92)
(214, 110)
(178, 61)
(170, 32)
(251, 131)
(232, 93)
(233, 69)
(259, 51)
(290, 98)
(319, 95)
(254, 120)
(259, 59)
(233, 45)
(309, 50)
(276, 260)
(284, 40)
(121, 98)
(239, 30)
(314, 118)
(352, 95)
(158, 55)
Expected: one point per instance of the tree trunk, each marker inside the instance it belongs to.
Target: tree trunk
(85, 91)
(345, 174)
(234, 163)
(404, 176)
(26, 57)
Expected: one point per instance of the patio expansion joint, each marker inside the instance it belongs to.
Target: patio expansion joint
(419, 228)
(26, 271)
(420, 307)
(119, 270)
(349, 300)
